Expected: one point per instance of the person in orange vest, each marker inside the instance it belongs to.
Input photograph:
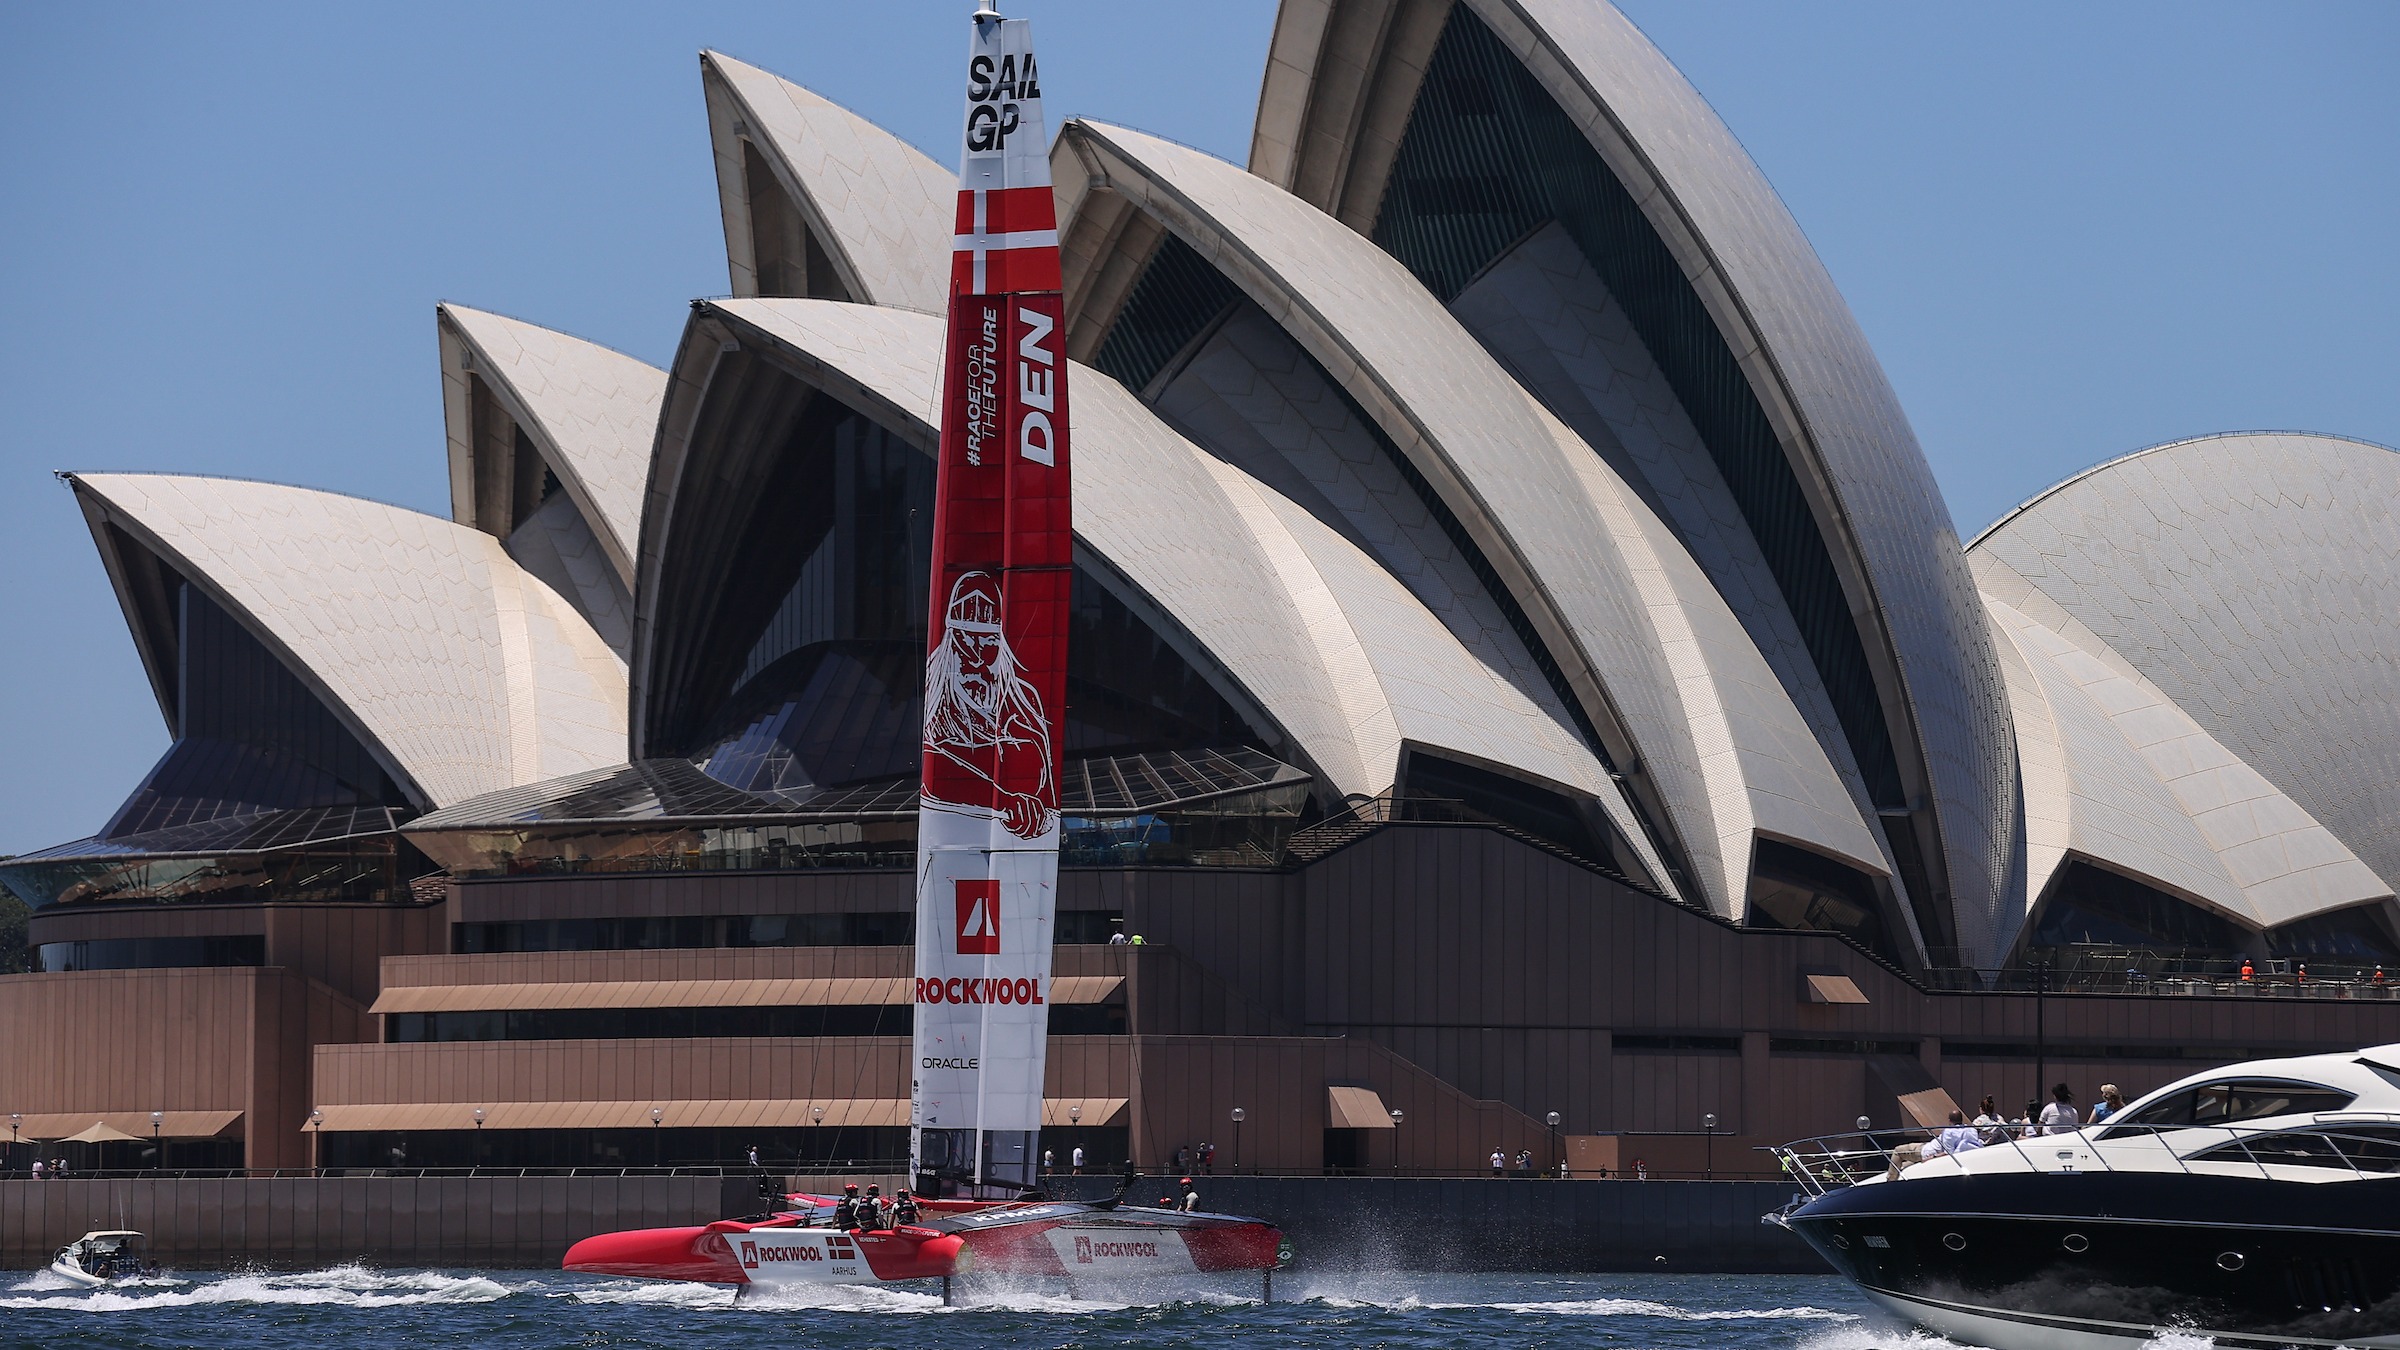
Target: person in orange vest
(2379, 975)
(2245, 970)
(2304, 972)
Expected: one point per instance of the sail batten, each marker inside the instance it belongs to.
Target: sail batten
(995, 667)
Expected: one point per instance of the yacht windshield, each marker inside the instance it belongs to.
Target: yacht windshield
(2230, 1102)
(2365, 1148)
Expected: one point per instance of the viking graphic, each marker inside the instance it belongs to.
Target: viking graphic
(982, 716)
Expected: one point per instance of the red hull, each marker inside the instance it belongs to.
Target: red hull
(1070, 1239)
(710, 1253)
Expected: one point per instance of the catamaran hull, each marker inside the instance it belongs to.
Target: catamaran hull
(768, 1256)
(1078, 1240)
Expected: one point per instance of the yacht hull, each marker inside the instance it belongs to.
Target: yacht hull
(2113, 1259)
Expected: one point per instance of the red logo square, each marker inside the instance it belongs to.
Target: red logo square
(978, 918)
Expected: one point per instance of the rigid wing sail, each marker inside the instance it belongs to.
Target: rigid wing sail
(996, 655)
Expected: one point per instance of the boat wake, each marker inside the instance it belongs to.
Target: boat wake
(353, 1286)
(1870, 1334)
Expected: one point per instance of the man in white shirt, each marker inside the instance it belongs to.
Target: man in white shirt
(1959, 1138)
(2059, 1116)
(1077, 1159)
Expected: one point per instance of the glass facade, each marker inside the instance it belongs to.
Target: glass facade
(1177, 297)
(658, 933)
(1537, 811)
(1227, 808)
(869, 928)
(1793, 888)
(250, 739)
(613, 1024)
(263, 798)
(154, 869)
(2092, 907)
(2361, 935)
(860, 1147)
(1489, 157)
(152, 953)
(808, 675)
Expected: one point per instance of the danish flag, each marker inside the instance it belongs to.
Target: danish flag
(1006, 240)
(978, 918)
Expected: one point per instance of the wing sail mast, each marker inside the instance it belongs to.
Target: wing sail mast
(996, 653)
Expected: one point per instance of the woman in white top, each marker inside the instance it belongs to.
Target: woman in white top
(2059, 1116)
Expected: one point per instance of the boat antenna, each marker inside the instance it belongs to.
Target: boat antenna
(984, 13)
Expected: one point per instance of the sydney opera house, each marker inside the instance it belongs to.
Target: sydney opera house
(1521, 663)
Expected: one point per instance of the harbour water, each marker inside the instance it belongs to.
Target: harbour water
(359, 1308)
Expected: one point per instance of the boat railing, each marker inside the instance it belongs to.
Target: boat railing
(1830, 1162)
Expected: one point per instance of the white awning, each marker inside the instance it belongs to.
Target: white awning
(127, 1124)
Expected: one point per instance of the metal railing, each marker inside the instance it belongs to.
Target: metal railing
(1828, 1162)
(276, 1173)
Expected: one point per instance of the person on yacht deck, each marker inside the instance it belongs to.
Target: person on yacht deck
(1959, 1138)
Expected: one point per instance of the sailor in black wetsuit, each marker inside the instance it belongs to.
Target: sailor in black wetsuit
(904, 1209)
(845, 1210)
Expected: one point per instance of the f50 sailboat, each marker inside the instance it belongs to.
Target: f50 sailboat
(987, 822)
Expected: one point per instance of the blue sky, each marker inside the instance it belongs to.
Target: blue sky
(2069, 230)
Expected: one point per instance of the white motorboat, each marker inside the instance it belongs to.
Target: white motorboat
(2257, 1205)
(104, 1257)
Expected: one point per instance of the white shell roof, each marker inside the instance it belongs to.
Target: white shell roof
(1822, 386)
(1321, 636)
(2253, 581)
(592, 412)
(1711, 725)
(2116, 773)
(882, 208)
(463, 673)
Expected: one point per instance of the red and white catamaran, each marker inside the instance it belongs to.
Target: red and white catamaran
(987, 832)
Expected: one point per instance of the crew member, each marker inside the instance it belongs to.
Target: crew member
(875, 1213)
(1189, 1200)
(845, 1210)
(904, 1208)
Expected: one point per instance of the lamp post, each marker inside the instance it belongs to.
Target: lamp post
(656, 1118)
(1553, 1118)
(476, 1163)
(316, 1139)
(2041, 1025)
(816, 1120)
(158, 1149)
(1239, 1115)
(16, 1122)
(1708, 1123)
(1396, 1114)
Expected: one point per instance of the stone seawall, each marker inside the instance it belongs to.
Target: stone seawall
(299, 1222)
(1334, 1223)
